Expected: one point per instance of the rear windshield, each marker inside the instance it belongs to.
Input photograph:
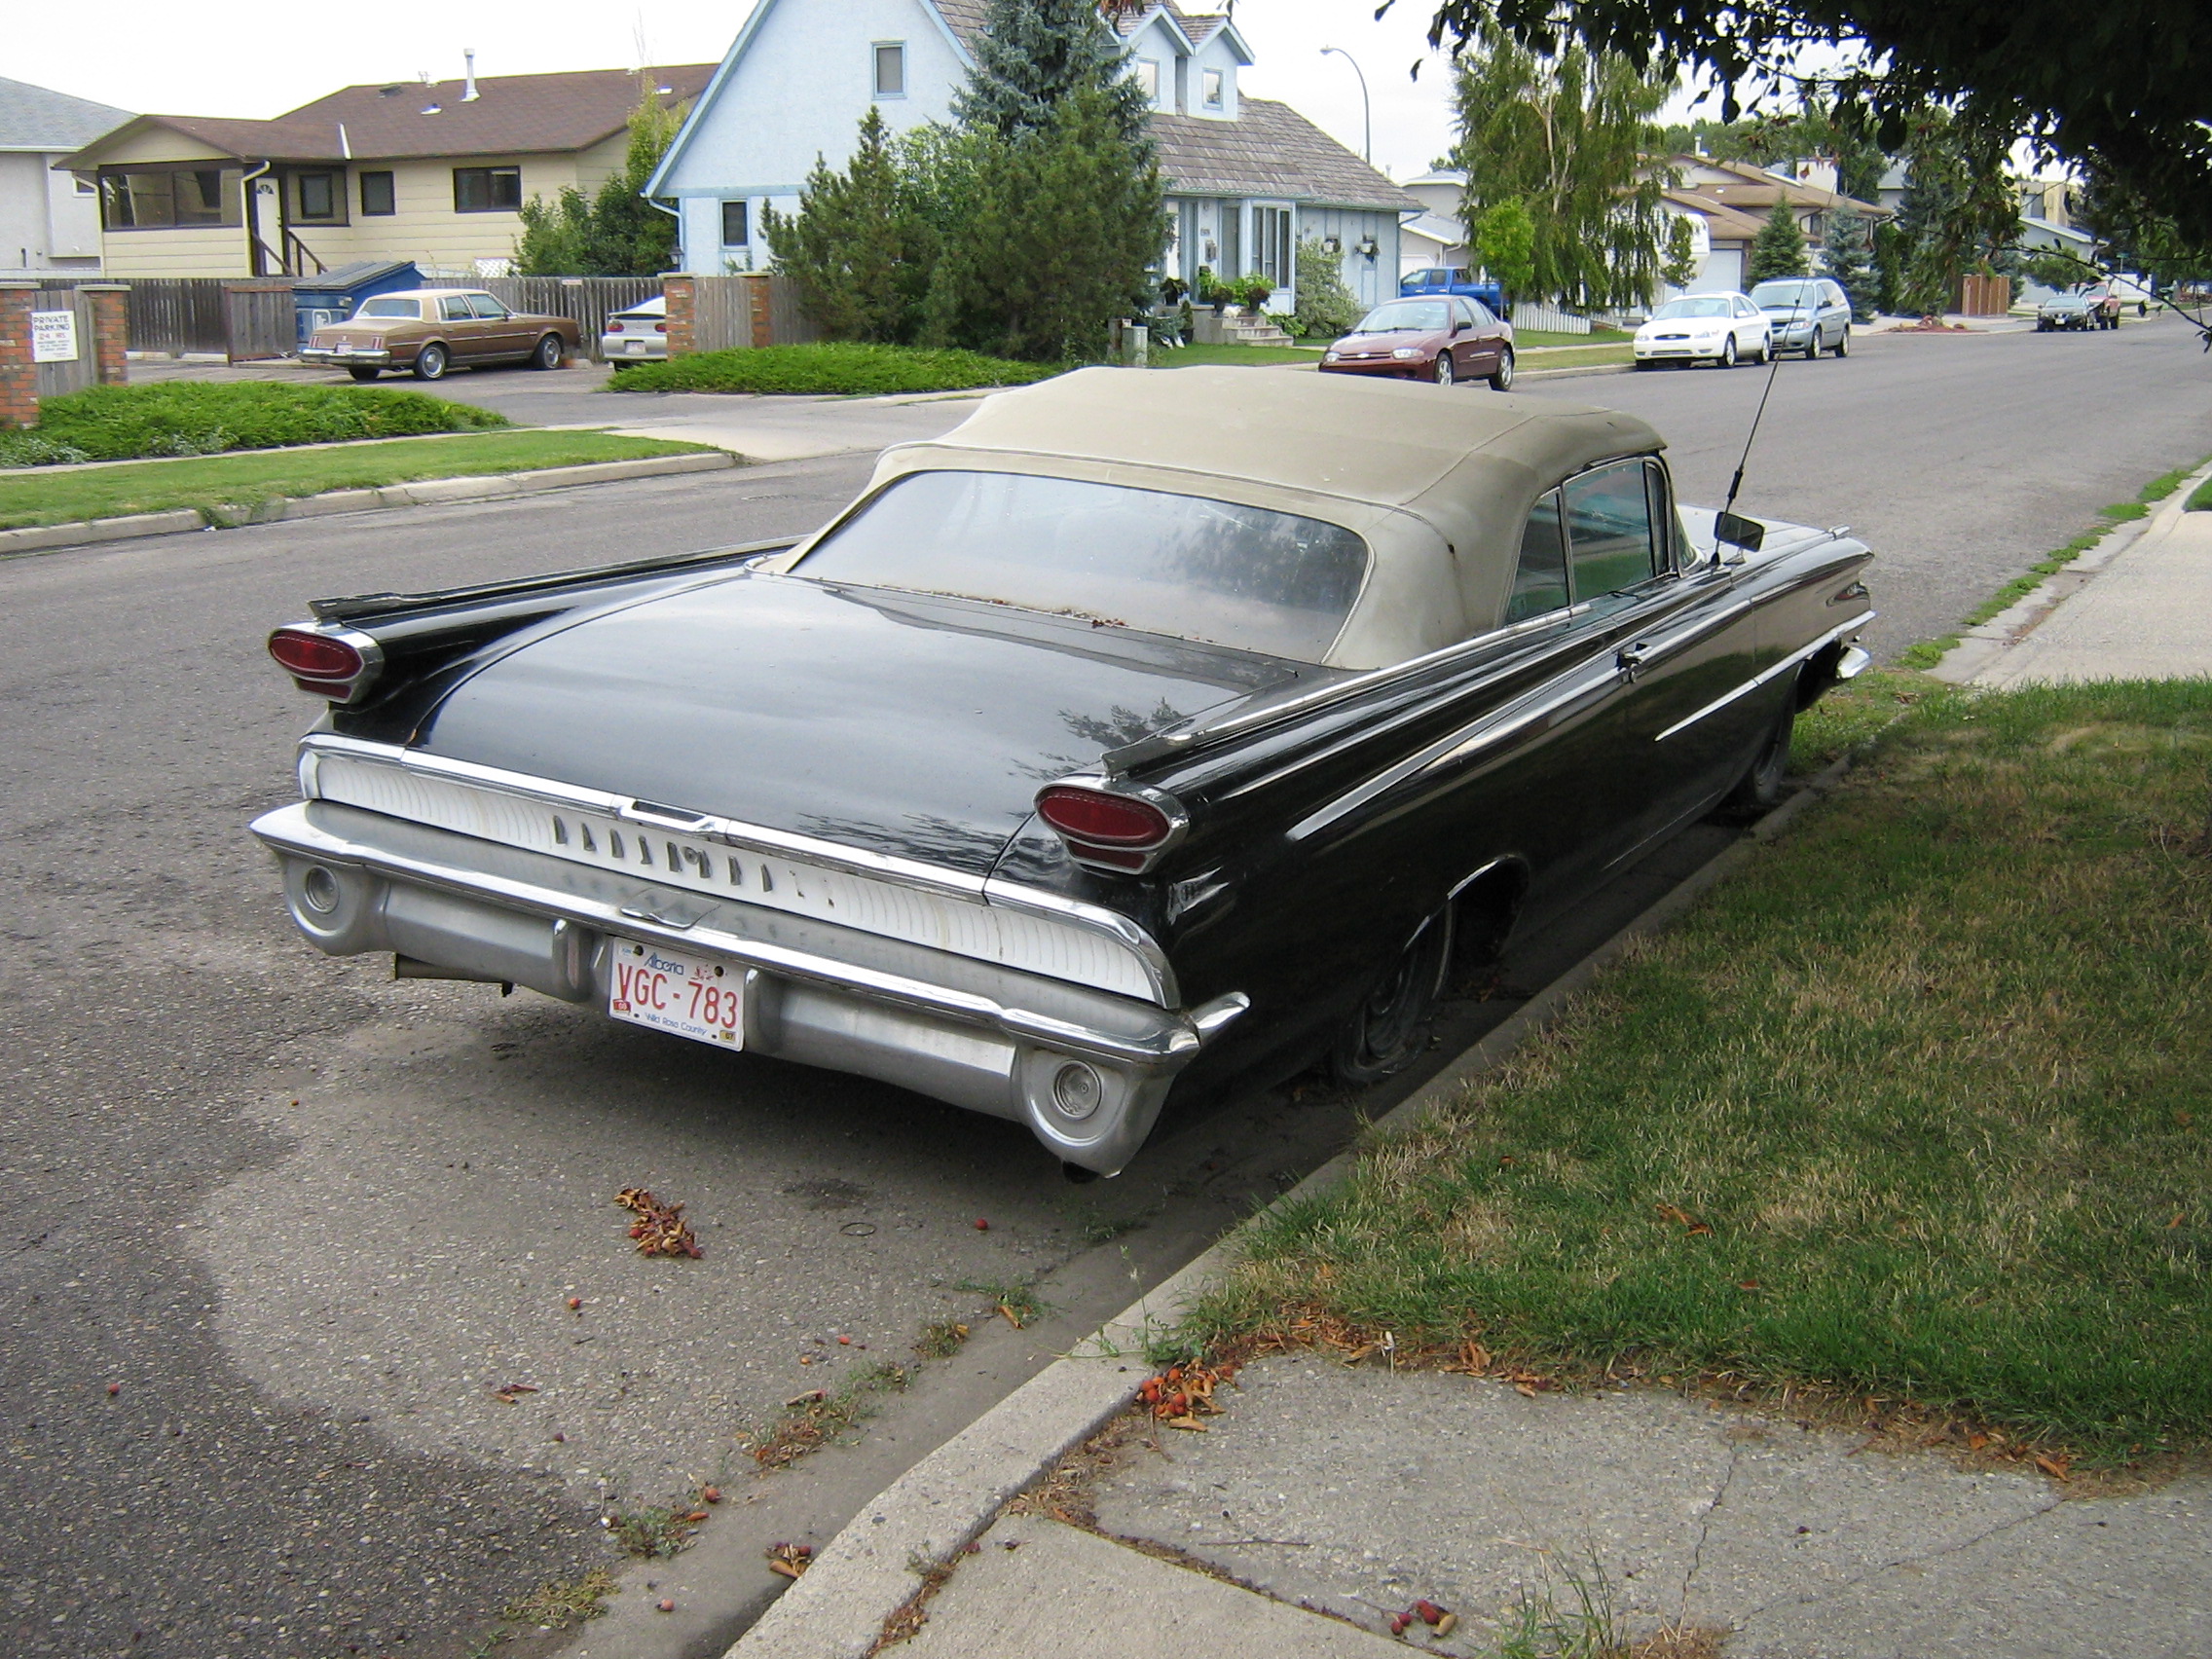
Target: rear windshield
(1178, 565)
(389, 308)
(1404, 316)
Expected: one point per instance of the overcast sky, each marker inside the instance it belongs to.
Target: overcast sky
(229, 60)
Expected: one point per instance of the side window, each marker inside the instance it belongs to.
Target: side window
(1610, 530)
(1539, 582)
(1483, 318)
(454, 308)
(488, 309)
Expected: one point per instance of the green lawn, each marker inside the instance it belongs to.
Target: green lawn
(828, 368)
(1528, 337)
(1233, 356)
(1914, 1107)
(1575, 358)
(231, 481)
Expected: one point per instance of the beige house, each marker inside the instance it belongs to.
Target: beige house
(436, 173)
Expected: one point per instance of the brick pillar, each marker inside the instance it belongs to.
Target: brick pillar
(111, 329)
(756, 309)
(19, 375)
(682, 292)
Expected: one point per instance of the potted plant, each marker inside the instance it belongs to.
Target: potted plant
(1255, 290)
(1211, 292)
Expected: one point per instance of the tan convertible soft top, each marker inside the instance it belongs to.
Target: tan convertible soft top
(1439, 482)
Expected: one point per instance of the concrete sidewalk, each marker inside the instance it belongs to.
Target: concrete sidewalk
(2142, 611)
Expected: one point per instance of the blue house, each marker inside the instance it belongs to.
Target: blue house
(1247, 178)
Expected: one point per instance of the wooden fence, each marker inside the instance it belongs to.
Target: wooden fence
(55, 379)
(1986, 296)
(590, 299)
(259, 319)
(754, 309)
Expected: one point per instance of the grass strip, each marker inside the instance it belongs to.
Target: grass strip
(219, 483)
(1232, 357)
(826, 369)
(1928, 652)
(1912, 1107)
(1577, 357)
(2200, 501)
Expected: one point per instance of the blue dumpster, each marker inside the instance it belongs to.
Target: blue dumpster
(331, 297)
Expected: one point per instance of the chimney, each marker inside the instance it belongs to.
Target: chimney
(468, 93)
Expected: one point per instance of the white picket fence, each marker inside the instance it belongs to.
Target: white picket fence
(1527, 314)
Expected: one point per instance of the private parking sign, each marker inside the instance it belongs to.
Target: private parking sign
(53, 337)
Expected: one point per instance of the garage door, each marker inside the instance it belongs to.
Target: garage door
(1723, 273)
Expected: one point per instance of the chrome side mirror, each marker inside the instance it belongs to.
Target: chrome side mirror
(1733, 530)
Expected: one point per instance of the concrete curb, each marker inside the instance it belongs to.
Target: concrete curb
(487, 487)
(926, 1516)
(1981, 648)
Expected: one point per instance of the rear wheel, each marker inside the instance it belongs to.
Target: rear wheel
(1444, 368)
(361, 374)
(1389, 1029)
(551, 352)
(1760, 790)
(1501, 378)
(430, 363)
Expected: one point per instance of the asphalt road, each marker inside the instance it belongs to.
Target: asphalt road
(307, 1223)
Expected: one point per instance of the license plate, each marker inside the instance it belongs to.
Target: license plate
(671, 990)
(635, 348)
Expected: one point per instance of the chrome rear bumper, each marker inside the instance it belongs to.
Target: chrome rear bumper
(987, 1038)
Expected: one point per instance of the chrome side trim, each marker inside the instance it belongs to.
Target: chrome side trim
(1767, 674)
(1029, 929)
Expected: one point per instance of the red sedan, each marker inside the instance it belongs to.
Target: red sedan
(1447, 338)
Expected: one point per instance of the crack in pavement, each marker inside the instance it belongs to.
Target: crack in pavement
(1870, 1574)
(1705, 1527)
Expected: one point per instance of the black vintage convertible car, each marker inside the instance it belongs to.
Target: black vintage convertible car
(1145, 731)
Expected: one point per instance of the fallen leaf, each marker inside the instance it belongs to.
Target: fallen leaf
(1192, 1423)
(810, 1397)
(1523, 1388)
(2054, 1467)
(1682, 1218)
(2170, 1226)
(660, 1230)
(1446, 1625)
(790, 1560)
(1474, 1357)
(695, 1515)
(1011, 1318)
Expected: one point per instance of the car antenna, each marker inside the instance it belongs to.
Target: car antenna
(1736, 484)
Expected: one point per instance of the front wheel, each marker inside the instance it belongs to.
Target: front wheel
(430, 363)
(1843, 343)
(1444, 369)
(1728, 354)
(1760, 790)
(1501, 378)
(1813, 347)
(551, 352)
(1389, 1029)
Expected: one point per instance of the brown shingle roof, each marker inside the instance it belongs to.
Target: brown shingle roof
(1268, 150)
(964, 17)
(1722, 222)
(1754, 190)
(511, 114)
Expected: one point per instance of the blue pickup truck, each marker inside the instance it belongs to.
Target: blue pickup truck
(1453, 280)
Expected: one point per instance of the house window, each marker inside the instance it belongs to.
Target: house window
(1271, 255)
(890, 70)
(487, 190)
(737, 224)
(1148, 78)
(160, 198)
(378, 197)
(1210, 86)
(317, 195)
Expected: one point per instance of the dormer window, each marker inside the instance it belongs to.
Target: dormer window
(890, 70)
(1148, 78)
(1210, 89)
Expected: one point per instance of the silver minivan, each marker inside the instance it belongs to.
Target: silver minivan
(1811, 314)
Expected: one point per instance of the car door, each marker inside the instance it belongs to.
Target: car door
(1751, 328)
(505, 334)
(456, 322)
(1467, 348)
(1686, 732)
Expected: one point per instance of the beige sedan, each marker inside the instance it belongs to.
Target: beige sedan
(430, 330)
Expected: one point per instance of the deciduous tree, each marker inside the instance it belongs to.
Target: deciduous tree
(1566, 136)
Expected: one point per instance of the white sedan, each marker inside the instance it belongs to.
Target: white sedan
(1726, 329)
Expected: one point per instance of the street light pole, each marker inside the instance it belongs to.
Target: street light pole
(1365, 109)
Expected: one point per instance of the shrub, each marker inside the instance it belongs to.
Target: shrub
(828, 368)
(1325, 305)
(34, 448)
(128, 422)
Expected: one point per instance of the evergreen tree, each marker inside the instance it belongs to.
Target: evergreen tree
(1778, 249)
(1033, 57)
(859, 249)
(1849, 260)
(1056, 230)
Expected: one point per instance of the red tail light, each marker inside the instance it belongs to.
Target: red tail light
(660, 328)
(1107, 830)
(613, 326)
(321, 663)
